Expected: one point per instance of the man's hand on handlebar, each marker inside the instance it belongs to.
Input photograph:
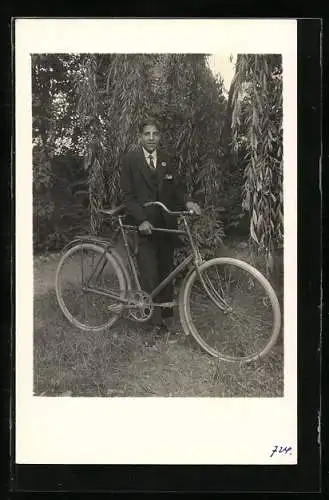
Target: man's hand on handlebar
(145, 227)
(194, 207)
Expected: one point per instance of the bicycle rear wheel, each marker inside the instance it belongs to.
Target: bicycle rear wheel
(83, 271)
(231, 310)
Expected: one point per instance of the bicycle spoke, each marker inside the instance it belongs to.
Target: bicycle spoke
(82, 264)
(228, 283)
(85, 308)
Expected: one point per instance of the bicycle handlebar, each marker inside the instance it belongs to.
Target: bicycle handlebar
(120, 209)
(169, 212)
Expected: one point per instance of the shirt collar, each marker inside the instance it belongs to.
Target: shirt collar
(147, 154)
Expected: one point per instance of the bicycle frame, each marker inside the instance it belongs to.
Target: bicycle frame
(193, 257)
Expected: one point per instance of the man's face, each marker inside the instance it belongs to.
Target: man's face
(150, 138)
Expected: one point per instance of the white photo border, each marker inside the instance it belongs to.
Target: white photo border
(230, 431)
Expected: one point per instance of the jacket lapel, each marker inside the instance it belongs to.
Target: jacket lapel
(162, 165)
(144, 168)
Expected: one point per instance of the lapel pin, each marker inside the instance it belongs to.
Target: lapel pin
(163, 164)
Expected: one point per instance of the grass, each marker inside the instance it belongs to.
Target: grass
(113, 363)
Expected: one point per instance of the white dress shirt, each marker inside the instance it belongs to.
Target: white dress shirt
(147, 157)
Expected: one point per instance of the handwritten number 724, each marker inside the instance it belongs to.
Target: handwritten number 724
(281, 450)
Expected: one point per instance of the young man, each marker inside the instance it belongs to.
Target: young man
(148, 174)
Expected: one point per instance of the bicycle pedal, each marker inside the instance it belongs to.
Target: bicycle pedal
(172, 341)
(116, 308)
(167, 304)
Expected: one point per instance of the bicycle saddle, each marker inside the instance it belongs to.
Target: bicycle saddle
(114, 211)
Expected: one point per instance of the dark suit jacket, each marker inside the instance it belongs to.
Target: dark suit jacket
(139, 185)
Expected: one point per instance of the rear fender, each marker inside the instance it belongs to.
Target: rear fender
(88, 239)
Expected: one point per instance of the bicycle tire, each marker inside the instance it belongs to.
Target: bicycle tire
(189, 320)
(113, 267)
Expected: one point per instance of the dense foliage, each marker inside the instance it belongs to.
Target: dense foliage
(107, 97)
(86, 110)
(58, 149)
(257, 140)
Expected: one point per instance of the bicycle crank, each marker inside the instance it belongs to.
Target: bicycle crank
(140, 306)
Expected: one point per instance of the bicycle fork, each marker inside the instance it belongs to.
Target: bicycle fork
(214, 295)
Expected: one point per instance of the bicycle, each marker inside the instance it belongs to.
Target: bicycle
(227, 305)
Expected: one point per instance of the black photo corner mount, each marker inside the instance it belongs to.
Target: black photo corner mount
(304, 477)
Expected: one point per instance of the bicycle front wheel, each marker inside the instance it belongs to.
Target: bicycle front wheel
(89, 284)
(231, 310)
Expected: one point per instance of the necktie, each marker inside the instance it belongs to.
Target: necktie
(151, 162)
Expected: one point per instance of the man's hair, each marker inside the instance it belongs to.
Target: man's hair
(147, 122)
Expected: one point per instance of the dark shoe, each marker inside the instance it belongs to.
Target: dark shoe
(172, 333)
(153, 334)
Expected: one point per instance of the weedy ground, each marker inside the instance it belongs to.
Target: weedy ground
(116, 362)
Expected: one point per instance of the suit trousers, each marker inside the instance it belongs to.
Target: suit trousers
(155, 261)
